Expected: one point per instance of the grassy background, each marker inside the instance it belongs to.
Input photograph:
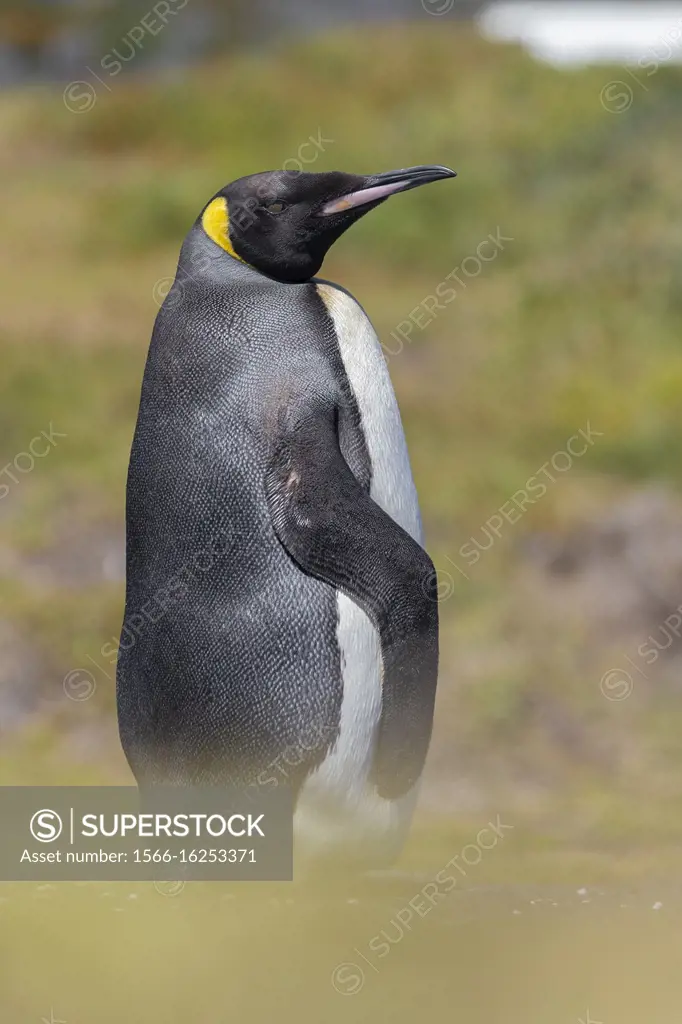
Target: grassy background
(577, 320)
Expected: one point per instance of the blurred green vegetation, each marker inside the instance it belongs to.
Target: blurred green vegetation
(577, 320)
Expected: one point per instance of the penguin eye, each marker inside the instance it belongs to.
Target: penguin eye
(275, 207)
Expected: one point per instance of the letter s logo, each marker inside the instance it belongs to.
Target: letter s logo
(46, 826)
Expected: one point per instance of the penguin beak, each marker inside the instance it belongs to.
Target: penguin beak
(381, 186)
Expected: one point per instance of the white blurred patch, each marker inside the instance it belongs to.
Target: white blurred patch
(589, 33)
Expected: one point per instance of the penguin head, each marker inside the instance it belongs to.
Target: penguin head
(283, 222)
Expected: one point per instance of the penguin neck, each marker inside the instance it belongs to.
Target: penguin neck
(201, 256)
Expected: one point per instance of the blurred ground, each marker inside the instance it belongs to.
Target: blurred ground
(573, 324)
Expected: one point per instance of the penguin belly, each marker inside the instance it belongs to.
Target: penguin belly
(339, 813)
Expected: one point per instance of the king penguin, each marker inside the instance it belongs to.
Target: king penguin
(281, 615)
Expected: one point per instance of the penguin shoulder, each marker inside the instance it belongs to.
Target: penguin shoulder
(338, 300)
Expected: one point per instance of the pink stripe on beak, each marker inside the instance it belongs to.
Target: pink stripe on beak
(365, 195)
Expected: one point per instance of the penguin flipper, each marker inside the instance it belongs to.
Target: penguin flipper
(335, 532)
